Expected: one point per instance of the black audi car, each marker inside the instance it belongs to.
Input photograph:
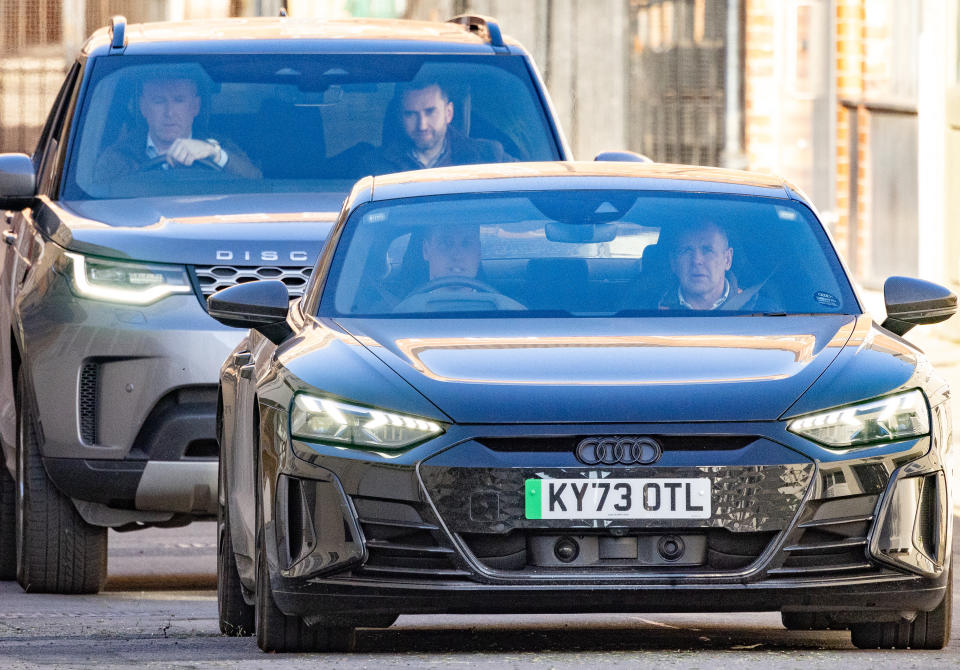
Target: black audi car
(566, 387)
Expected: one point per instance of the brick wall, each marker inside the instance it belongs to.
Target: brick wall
(760, 81)
(870, 67)
(850, 231)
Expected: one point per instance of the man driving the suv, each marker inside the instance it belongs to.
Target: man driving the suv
(163, 138)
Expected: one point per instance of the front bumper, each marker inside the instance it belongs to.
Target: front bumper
(125, 398)
(445, 531)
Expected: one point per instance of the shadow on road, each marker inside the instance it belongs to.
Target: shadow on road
(645, 635)
(177, 582)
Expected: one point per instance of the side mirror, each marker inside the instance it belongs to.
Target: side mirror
(622, 156)
(260, 305)
(914, 302)
(18, 182)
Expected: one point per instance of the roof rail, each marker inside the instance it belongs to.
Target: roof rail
(476, 23)
(118, 29)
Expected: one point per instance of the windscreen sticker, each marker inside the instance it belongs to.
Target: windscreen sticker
(826, 299)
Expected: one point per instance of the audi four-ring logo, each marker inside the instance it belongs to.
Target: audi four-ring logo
(622, 450)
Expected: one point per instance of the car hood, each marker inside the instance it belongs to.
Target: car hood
(608, 370)
(273, 229)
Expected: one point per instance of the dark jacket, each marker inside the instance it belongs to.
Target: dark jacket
(462, 150)
(128, 155)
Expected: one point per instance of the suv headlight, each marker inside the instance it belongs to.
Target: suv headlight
(895, 417)
(125, 282)
(327, 420)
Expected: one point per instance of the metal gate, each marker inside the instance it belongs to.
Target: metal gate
(677, 97)
(31, 69)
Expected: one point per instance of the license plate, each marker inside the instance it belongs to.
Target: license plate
(617, 498)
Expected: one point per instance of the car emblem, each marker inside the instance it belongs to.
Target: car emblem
(618, 450)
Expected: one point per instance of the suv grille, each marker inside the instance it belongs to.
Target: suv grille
(212, 278)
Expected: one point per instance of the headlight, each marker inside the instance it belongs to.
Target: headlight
(120, 281)
(327, 420)
(895, 417)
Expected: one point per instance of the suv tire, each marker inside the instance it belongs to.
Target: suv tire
(57, 551)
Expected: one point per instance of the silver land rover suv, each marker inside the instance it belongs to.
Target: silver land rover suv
(178, 159)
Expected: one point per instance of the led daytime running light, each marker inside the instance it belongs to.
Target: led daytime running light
(130, 296)
(896, 417)
(329, 420)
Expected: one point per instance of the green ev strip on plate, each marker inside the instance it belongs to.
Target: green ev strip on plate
(532, 498)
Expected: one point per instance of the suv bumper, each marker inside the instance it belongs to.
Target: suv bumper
(126, 400)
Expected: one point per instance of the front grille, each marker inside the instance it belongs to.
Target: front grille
(827, 544)
(87, 397)
(402, 546)
(212, 278)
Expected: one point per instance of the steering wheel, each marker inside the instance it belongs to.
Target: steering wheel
(454, 282)
(156, 162)
(483, 296)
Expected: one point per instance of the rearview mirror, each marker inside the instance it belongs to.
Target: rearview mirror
(914, 302)
(581, 233)
(260, 305)
(17, 181)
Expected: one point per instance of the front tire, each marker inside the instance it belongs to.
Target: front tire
(8, 525)
(276, 631)
(279, 632)
(930, 630)
(236, 616)
(57, 551)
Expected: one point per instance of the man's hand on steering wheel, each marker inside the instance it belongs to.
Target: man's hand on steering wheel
(185, 151)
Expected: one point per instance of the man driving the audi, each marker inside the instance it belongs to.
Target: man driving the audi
(452, 253)
(163, 136)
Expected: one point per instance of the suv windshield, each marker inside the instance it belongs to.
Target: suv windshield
(584, 253)
(296, 122)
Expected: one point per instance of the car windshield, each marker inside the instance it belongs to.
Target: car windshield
(297, 122)
(585, 254)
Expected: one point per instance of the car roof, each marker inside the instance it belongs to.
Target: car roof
(284, 34)
(577, 175)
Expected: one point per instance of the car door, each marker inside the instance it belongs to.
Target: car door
(22, 242)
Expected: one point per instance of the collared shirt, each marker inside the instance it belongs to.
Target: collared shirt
(153, 152)
(720, 301)
(441, 159)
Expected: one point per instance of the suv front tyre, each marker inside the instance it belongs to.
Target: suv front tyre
(57, 551)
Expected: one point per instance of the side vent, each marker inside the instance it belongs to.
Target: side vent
(930, 533)
(87, 397)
